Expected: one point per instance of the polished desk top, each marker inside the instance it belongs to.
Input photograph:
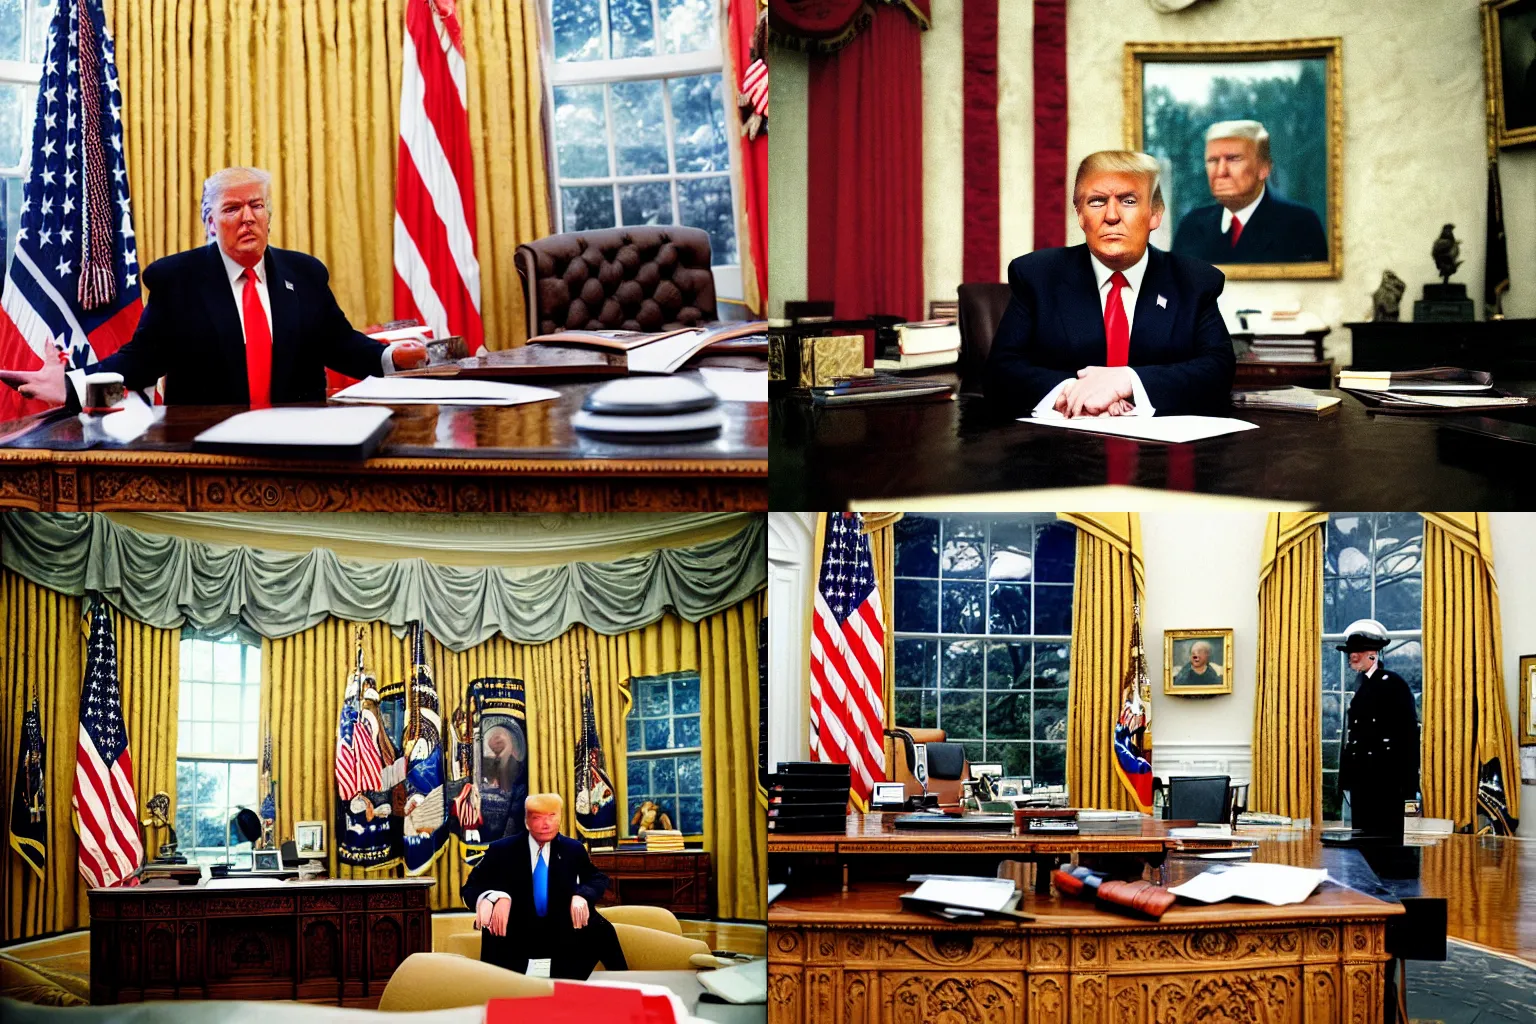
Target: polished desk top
(876, 833)
(823, 458)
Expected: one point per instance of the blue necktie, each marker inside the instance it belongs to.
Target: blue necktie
(540, 885)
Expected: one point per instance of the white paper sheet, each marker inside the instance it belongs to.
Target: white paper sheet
(976, 894)
(666, 355)
(1276, 884)
(297, 426)
(1167, 429)
(737, 385)
(431, 391)
(744, 984)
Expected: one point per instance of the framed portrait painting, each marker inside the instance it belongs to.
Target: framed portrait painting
(1197, 661)
(1250, 139)
(1509, 65)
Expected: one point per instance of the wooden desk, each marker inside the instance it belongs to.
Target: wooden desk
(327, 941)
(436, 459)
(857, 956)
(679, 882)
(823, 458)
(876, 833)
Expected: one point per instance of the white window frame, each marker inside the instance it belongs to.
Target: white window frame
(631, 719)
(188, 846)
(22, 73)
(640, 69)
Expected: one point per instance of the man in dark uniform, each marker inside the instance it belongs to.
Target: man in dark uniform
(1379, 763)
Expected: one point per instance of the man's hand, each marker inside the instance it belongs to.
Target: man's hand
(408, 355)
(45, 384)
(579, 912)
(1124, 407)
(492, 916)
(1097, 389)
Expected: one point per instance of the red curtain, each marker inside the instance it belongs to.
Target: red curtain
(865, 174)
(1050, 122)
(754, 156)
(981, 259)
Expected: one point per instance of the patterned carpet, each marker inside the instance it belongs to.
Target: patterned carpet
(1471, 987)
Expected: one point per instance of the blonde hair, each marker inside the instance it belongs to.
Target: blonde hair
(218, 181)
(1120, 161)
(1253, 131)
(543, 803)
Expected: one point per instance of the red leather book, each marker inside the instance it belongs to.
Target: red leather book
(582, 1004)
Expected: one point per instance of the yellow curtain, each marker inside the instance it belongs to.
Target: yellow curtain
(1287, 756)
(42, 652)
(1466, 722)
(305, 675)
(311, 92)
(1108, 579)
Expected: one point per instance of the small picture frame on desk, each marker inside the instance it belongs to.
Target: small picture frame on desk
(309, 839)
(1527, 724)
(266, 860)
(1197, 662)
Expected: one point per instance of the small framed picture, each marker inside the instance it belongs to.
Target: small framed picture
(1527, 723)
(1197, 661)
(266, 860)
(309, 839)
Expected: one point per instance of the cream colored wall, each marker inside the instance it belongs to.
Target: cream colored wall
(1414, 155)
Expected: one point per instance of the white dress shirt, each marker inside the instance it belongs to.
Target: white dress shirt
(1128, 294)
(1243, 215)
(534, 850)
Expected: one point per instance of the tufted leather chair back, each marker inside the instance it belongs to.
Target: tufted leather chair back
(981, 307)
(644, 278)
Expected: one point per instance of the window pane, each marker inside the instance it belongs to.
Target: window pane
(1053, 610)
(1008, 716)
(646, 203)
(1050, 764)
(1406, 658)
(1349, 538)
(1051, 715)
(690, 814)
(917, 709)
(212, 779)
(18, 108)
(202, 739)
(706, 203)
(635, 734)
(698, 123)
(687, 25)
(183, 737)
(251, 701)
(212, 826)
(1399, 545)
(1346, 599)
(917, 662)
(639, 777)
(1012, 549)
(1332, 718)
(917, 546)
(202, 701)
(39, 13)
(1014, 757)
(686, 731)
(960, 715)
(690, 774)
(685, 695)
(253, 663)
(962, 665)
(639, 129)
(242, 785)
(1052, 665)
(10, 30)
(664, 775)
(655, 699)
(226, 739)
(917, 606)
(658, 735)
(1330, 755)
(581, 132)
(1008, 666)
(578, 29)
(250, 744)
(226, 662)
(1400, 601)
(586, 207)
(1010, 608)
(202, 660)
(1055, 553)
(226, 703)
(963, 605)
(631, 28)
(962, 556)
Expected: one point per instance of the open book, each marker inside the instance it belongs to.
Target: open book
(658, 351)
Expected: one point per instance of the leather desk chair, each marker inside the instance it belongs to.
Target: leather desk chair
(981, 309)
(1201, 798)
(947, 765)
(645, 278)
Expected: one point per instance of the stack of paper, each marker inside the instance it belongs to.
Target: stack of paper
(1276, 884)
(428, 391)
(659, 840)
(959, 897)
(746, 984)
(1201, 832)
(1167, 429)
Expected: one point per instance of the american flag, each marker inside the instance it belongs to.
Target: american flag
(105, 808)
(848, 657)
(437, 275)
(359, 767)
(74, 271)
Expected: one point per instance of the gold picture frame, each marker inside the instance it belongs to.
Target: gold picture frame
(1527, 725)
(1330, 51)
(1504, 21)
(309, 839)
(1178, 649)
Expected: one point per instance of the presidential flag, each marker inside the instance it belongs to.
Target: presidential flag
(848, 657)
(29, 800)
(596, 812)
(425, 829)
(1133, 725)
(73, 281)
(437, 275)
(106, 811)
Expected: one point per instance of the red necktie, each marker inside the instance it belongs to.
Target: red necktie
(1237, 231)
(1117, 330)
(258, 344)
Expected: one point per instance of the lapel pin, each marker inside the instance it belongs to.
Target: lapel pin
(1161, 301)
(290, 288)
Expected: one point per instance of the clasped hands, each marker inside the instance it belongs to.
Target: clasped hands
(1098, 390)
(492, 916)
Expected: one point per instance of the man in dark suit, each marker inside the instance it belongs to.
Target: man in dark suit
(1114, 326)
(535, 901)
(236, 322)
(1249, 222)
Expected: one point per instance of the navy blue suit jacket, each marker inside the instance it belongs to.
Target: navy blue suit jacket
(1054, 326)
(190, 332)
(507, 866)
(1278, 231)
